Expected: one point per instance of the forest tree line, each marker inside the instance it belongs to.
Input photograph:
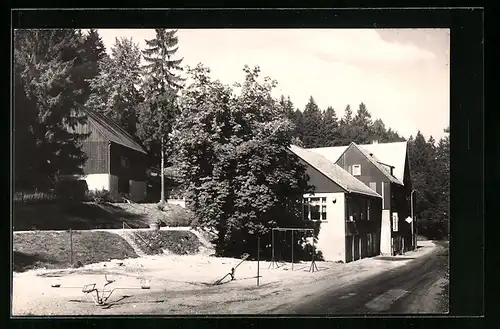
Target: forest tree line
(223, 142)
(429, 159)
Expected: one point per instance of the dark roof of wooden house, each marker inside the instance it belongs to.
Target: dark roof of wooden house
(113, 131)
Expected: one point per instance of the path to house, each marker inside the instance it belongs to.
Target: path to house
(183, 285)
(414, 288)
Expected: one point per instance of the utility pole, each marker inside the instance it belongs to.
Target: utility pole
(414, 236)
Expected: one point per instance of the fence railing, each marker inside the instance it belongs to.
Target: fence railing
(34, 197)
(137, 236)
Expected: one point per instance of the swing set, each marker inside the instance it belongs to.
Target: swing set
(276, 263)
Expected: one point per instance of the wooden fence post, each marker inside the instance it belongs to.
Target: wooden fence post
(258, 260)
(71, 246)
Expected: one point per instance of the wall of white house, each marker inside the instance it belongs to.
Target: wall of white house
(98, 181)
(331, 238)
(385, 233)
(137, 190)
(103, 182)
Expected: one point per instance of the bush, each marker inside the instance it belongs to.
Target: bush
(176, 242)
(180, 218)
(161, 206)
(99, 196)
(177, 216)
(71, 190)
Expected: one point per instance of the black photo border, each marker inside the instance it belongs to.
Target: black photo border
(467, 142)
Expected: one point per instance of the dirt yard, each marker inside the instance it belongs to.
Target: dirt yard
(183, 285)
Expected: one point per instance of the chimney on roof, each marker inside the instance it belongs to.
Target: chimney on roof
(374, 141)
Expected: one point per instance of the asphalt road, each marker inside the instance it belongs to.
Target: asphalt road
(403, 290)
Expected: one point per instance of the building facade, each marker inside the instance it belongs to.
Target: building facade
(385, 169)
(115, 161)
(348, 211)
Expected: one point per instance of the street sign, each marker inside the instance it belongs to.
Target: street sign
(409, 219)
(395, 221)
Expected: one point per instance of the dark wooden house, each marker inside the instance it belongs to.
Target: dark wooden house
(115, 161)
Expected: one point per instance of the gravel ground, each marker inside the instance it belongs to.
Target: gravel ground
(183, 285)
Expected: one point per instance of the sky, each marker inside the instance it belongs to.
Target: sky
(401, 75)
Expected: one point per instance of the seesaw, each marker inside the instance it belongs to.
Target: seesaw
(231, 273)
(100, 297)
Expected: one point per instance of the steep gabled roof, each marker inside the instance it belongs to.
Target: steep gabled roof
(112, 131)
(376, 162)
(393, 154)
(333, 172)
(331, 153)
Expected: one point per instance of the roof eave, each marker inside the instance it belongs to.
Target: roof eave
(319, 170)
(128, 146)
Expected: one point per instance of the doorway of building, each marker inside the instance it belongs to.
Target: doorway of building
(349, 249)
(123, 185)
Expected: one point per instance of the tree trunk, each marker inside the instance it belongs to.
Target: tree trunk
(162, 174)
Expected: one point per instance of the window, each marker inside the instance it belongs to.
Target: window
(369, 244)
(314, 209)
(356, 170)
(352, 210)
(373, 186)
(363, 211)
(358, 209)
(368, 210)
(125, 162)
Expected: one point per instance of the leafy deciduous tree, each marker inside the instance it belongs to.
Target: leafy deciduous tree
(232, 154)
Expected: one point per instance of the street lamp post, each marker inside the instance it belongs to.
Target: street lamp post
(414, 236)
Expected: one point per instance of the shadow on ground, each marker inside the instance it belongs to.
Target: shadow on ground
(23, 261)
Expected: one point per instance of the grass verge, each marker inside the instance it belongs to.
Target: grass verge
(52, 249)
(175, 242)
(79, 216)
(443, 299)
(91, 215)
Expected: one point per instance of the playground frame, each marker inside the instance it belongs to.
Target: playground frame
(274, 263)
